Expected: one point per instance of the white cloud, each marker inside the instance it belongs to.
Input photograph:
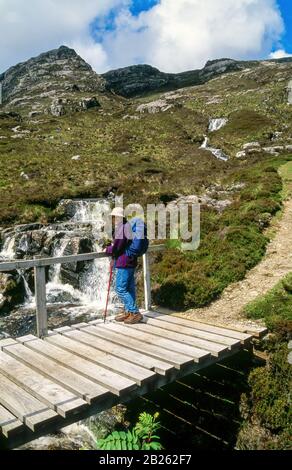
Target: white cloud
(174, 35)
(178, 35)
(34, 26)
(279, 54)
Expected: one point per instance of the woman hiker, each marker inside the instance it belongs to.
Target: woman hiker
(125, 267)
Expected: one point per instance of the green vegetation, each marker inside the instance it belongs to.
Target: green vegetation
(142, 437)
(232, 242)
(267, 407)
(286, 174)
(275, 307)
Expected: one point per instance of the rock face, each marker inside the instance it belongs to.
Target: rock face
(140, 79)
(53, 81)
(154, 107)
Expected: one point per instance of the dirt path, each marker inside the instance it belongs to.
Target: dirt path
(276, 264)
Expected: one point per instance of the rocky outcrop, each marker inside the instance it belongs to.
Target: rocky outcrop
(59, 77)
(254, 147)
(71, 272)
(62, 106)
(12, 291)
(141, 79)
(154, 107)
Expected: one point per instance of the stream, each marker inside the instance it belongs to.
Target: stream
(75, 291)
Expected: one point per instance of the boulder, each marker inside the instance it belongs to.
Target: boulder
(154, 107)
(12, 291)
(250, 145)
(274, 150)
(57, 108)
(88, 103)
(241, 154)
(70, 273)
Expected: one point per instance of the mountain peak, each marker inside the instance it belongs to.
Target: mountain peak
(56, 74)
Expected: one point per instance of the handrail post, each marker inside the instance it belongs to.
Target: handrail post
(40, 299)
(147, 281)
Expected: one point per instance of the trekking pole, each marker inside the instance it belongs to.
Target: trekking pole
(108, 290)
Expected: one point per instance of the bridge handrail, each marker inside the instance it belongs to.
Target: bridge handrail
(26, 264)
(40, 264)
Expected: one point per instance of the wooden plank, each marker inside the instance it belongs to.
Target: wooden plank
(101, 344)
(174, 358)
(28, 409)
(53, 395)
(113, 382)
(106, 360)
(75, 383)
(9, 424)
(40, 299)
(199, 325)
(172, 345)
(182, 340)
(231, 343)
(147, 281)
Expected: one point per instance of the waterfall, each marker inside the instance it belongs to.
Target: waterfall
(218, 153)
(216, 124)
(8, 250)
(94, 283)
(71, 289)
(56, 268)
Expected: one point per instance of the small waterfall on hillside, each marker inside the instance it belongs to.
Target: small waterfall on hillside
(216, 124)
(218, 153)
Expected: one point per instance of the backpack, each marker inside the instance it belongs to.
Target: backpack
(139, 243)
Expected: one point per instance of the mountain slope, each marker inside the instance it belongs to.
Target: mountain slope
(138, 80)
(53, 82)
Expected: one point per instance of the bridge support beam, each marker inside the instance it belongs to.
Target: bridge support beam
(40, 298)
(147, 281)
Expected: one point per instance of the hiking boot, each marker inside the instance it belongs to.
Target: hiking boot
(133, 318)
(122, 316)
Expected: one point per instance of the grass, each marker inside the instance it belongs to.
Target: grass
(275, 307)
(231, 243)
(286, 175)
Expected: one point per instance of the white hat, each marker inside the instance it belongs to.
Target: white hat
(117, 212)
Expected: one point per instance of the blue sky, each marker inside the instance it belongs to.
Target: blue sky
(172, 35)
(142, 5)
(286, 10)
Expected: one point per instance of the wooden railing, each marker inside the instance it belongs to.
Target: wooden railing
(40, 264)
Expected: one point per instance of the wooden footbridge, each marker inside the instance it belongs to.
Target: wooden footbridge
(58, 377)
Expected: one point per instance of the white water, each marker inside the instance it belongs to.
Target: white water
(216, 124)
(218, 153)
(93, 282)
(7, 251)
